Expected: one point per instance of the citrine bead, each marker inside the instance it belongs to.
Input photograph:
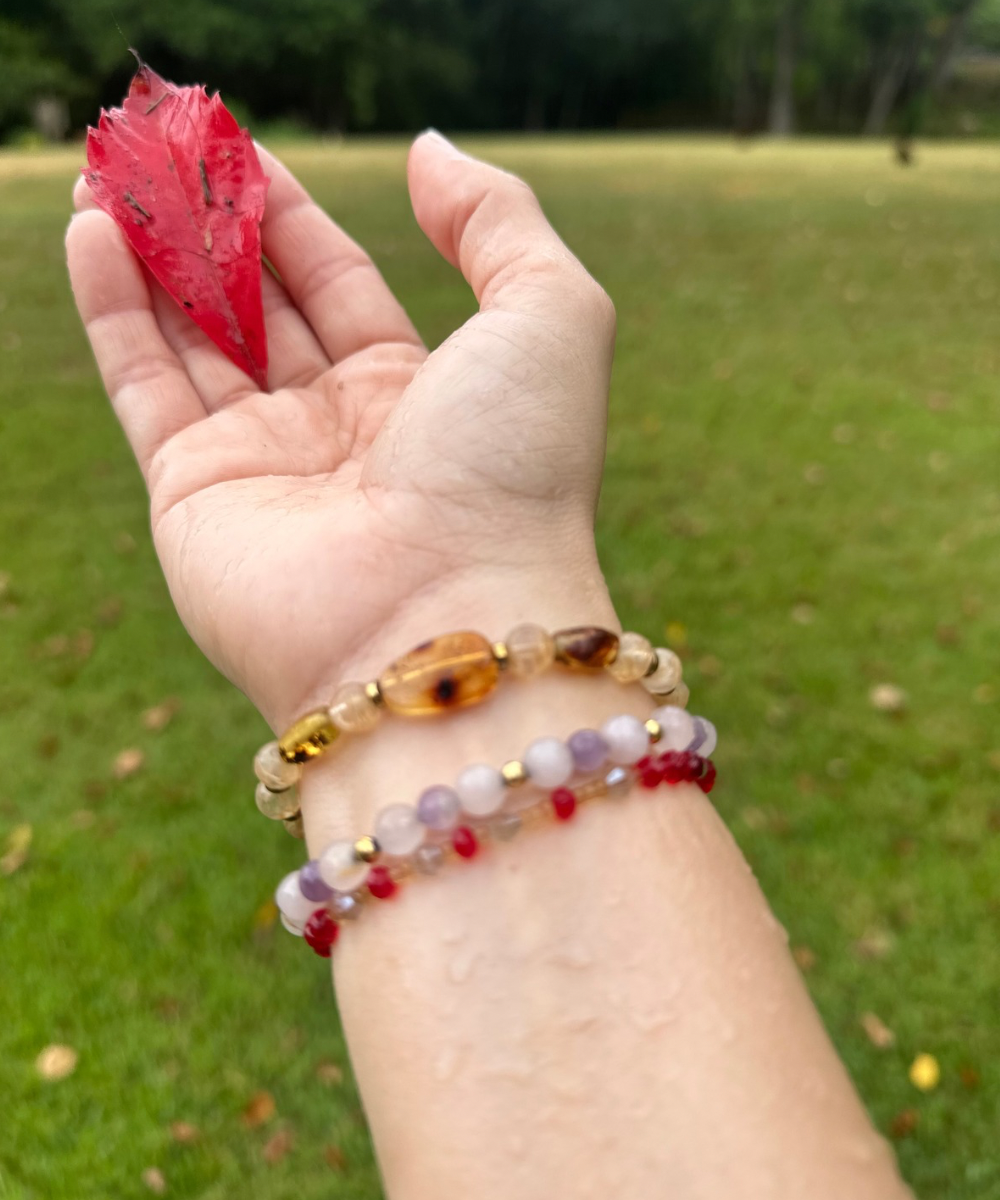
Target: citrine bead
(309, 736)
(452, 671)
(585, 648)
(530, 651)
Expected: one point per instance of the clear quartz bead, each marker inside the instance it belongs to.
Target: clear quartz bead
(481, 790)
(627, 738)
(340, 869)
(549, 762)
(398, 830)
(344, 906)
(277, 805)
(429, 859)
(272, 770)
(634, 658)
(677, 728)
(530, 651)
(353, 710)
(506, 827)
(667, 674)
(618, 782)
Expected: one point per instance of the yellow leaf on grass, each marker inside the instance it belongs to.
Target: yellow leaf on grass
(56, 1062)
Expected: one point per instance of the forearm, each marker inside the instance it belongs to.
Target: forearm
(608, 1008)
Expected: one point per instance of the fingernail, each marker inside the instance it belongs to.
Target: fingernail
(444, 144)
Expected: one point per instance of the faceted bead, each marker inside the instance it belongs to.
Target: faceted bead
(464, 842)
(530, 651)
(633, 660)
(506, 827)
(277, 805)
(294, 826)
(672, 766)
(563, 803)
(339, 867)
(480, 789)
(677, 728)
(290, 900)
(353, 710)
(381, 884)
(452, 671)
(312, 885)
(345, 906)
(438, 808)
(627, 738)
(429, 859)
(398, 829)
(321, 932)
(585, 647)
(618, 782)
(549, 762)
(707, 781)
(678, 698)
(705, 737)
(273, 771)
(667, 674)
(693, 766)
(649, 772)
(309, 736)
(589, 750)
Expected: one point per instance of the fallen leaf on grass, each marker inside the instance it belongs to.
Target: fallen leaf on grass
(969, 1077)
(128, 762)
(925, 1073)
(261, 1108)
(330, 1074)
(109, 613)
(16, 853)
(335, 1158)
(278, 1146)
(904, 1123)
(874, 944)
(804, 957)
(887, 698)
(183, 1132)
(160, 715)
(152, 1177)
(879, 1034)
(56, 1062)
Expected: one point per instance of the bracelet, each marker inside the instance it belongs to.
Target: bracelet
(456, 670)
(450, 823)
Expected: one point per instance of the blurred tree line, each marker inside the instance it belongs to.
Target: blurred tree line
(843, 66)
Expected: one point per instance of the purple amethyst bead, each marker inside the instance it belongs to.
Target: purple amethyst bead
(589, 750)
(311, 884)
(438, 808)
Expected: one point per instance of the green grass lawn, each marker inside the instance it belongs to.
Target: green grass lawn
(802, 494)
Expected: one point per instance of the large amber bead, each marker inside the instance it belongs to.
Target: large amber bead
(586, 648)
(452, 671)
(309, 736)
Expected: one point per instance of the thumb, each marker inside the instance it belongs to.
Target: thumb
(489, 224)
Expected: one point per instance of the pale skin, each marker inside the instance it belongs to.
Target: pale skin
(602, 1009)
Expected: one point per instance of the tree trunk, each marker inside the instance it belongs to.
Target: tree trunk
(743, 98)
(950, 41)
(899, 62)
(782, 112)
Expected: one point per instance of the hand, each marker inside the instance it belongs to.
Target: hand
(377, 487)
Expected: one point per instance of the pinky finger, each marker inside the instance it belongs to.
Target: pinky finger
(149, 388)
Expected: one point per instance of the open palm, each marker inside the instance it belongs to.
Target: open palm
(296, 526)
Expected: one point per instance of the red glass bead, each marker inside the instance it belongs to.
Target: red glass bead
(321, 932)
(563, 803)
(380, 883)
(707, 780)
(672, 766)
(692, 766)
(464, 841)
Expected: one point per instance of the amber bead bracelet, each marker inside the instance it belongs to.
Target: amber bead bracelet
(454, 671)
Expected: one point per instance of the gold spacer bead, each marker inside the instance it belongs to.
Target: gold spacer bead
(654, 729)
(366, 849)
(501, 655)
(374, 693)
(309, 736)
(514, 773)
(294, 826)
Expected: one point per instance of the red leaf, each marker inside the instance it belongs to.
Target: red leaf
(184, 183)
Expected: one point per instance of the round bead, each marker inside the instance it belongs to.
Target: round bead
(398, 829)
(480, 789)
(677, 726)
(667, 674)
(549, 762)
(344, 906)
(312, 885)
(294, 826)
(321, 932)
(353, 710)
(438, 808)
(506, 827)
(633, 660)
(627, 738)
(429, 859)
(678, 698)
(295, 928)
(530, 651)
(449, 672)
(464, 842)
(339, 867)
(290, 900)
(563, 803)
(272, 770)
(276, 805)
(705, 737)
(381, 884)
(618, 782)
(589, 750)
